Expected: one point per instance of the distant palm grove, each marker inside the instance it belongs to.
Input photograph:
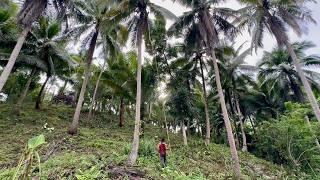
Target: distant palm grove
(140, 64)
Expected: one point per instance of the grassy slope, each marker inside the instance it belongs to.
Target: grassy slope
(102, 144)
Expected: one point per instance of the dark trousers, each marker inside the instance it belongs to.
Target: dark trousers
(163, 160)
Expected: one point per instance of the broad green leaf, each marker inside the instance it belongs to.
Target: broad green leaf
(35, 142)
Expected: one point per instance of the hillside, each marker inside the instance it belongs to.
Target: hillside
(101, 148)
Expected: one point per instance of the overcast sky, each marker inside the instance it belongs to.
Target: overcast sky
(313, 33)
(269, 42)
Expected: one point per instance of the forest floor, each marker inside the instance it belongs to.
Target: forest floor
(101, 148)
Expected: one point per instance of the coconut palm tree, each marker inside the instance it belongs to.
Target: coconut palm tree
(159, 114)
(8, 26)
(43, 53)
(194, 48)
(135, 13)
(28, 14)
(277, 17)
(278, 73)
(149, 80)
(32, 65)
(25, 91)
(119, 77)
(180, 100)
(206, 109)
(111, 44)
(95, 24)
(162, 51)
(102, 69)
(210, 21)
(236, 80)
(193, 63)
(45, 42)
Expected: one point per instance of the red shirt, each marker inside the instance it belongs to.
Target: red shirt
(162, 148)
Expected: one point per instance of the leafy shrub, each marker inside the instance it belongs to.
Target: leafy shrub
(7, 173)
(126, 148)
(147, 148)
(171, 173)
(66, 165)
(92, 173)
(289, 140)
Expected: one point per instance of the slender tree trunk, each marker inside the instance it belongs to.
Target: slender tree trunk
(13, 57)
(305, 82)
(310, 128)
(95, 92)
(200, 131)
(236, 137)
(121, 115)
(184, 134)
(226, 119)
(135, 144)
(253, 126)
(206, 111)
(75, 122)
(167, 129)
(76, 94)
(46, 90)
(244, 137)
(142, 120)
(188, 127)
(40, 95)
(24, 92)
(298, 94)
(168, 65)
(63, 88)
(149, 111)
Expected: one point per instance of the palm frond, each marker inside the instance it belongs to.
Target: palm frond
(30, 11)
(184, 21)
(162, 11)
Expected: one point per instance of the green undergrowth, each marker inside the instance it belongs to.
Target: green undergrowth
(101, 144)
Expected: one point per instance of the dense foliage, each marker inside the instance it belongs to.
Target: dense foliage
(115, 62)
(289, 140)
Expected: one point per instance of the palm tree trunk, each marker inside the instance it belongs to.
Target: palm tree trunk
(207, 140)
(142, 120)
(149, 111)
(188, 127)
(40, 95)
(298, 94)
(184, 134)
(226, 119)
(63, 88)
(236, 137)
(305, 82)
(75, 122)
(95, 92)
(310, 128)
(121, 114)
(135, 144)
(76, 95)
(13, 57)
(167, 129)
(24, 92)
(46, 90)
(244, 138)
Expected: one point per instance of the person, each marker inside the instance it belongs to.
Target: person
(162, 149)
